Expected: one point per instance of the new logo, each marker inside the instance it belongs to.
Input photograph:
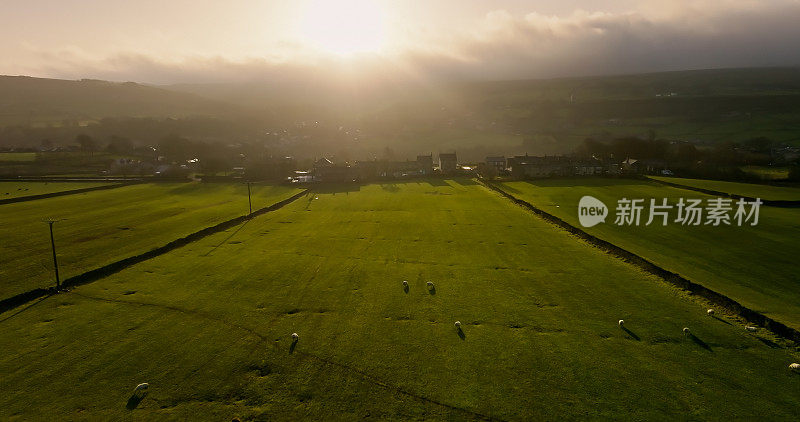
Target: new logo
(591, 211)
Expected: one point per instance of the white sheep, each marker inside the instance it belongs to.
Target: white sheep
(710, 312)
(295, 337)
(686, 331)
(405, 283)
(621, 323)
(430, 284)
(141, 389)
(795, 367)
(750, 328)
(458, 324)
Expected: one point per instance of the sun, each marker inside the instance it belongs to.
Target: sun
(344, 27)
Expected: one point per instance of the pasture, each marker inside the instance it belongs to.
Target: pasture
(17, 156)
(104, 226)
(754, 265)
(20, 189)
(208, 325)
(752, 190)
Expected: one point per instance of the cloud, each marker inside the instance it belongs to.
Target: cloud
(502, 45)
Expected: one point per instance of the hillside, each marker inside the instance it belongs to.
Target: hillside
(543, 116)
(37, 101)
(475, 118)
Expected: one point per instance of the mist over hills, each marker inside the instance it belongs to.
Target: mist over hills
(34, 101)
(355, 119)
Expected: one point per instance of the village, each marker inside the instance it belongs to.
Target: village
(326, 170)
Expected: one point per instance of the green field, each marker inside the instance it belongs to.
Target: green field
(19, 189)
(104, 226)
(208, 325)
(752, 190)
(17, 156)
(754, 265)
(768, 172)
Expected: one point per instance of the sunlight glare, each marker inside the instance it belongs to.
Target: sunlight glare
(343, 27)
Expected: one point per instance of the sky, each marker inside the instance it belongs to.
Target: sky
(205, 41)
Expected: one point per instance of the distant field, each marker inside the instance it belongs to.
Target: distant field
(756, 266)
(17, 156)
(768, 173)
(776, 193)
(208, 325)
(18, 189)
(104, 226)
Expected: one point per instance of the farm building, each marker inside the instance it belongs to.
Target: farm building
(499, 163)
(547, 166)
(448, 163)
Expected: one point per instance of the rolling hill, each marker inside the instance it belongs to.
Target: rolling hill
(37, 101)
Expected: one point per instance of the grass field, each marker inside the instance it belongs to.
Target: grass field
(17, 156)
(18, 189)
(775, 193)
(755, 265)
(104, 226)
(208, 325)
(768, 172)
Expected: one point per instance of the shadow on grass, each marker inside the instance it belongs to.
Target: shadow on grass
(335, 188)
(25, 308)
(720, 319)
(390, 187)
(227, 238)
(432, 290)
(771, 344)
(461, 334)
(134, 401)
(631, 333)
(293, 345)
(587, 181)
(699, 342)
(405, 289)
(436, 182)
(466, 182)
(509, 189)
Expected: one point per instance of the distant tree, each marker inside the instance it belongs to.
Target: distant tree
(794, 173)
(761, 144)
(175, 147)
(119, 145)
(214, 165)
(86, 142)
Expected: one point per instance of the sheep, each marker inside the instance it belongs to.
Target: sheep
(621, 323)
(295, 337)
(458, 325)
(710, 312)
(430, 284)
(405, 283)
(141, 389)
(686, 331)
(795, 367)
(750, 328)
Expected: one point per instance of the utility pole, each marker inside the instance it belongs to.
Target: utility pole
(53, 245)
(249, 201)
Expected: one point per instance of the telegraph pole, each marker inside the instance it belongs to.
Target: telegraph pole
(249, 201)
(53, 245)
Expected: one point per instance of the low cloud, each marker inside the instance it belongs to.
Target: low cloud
(505, 46)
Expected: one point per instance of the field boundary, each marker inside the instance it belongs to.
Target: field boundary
(677, 280)
(117, 266)
(769, 202)
(66, 192)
